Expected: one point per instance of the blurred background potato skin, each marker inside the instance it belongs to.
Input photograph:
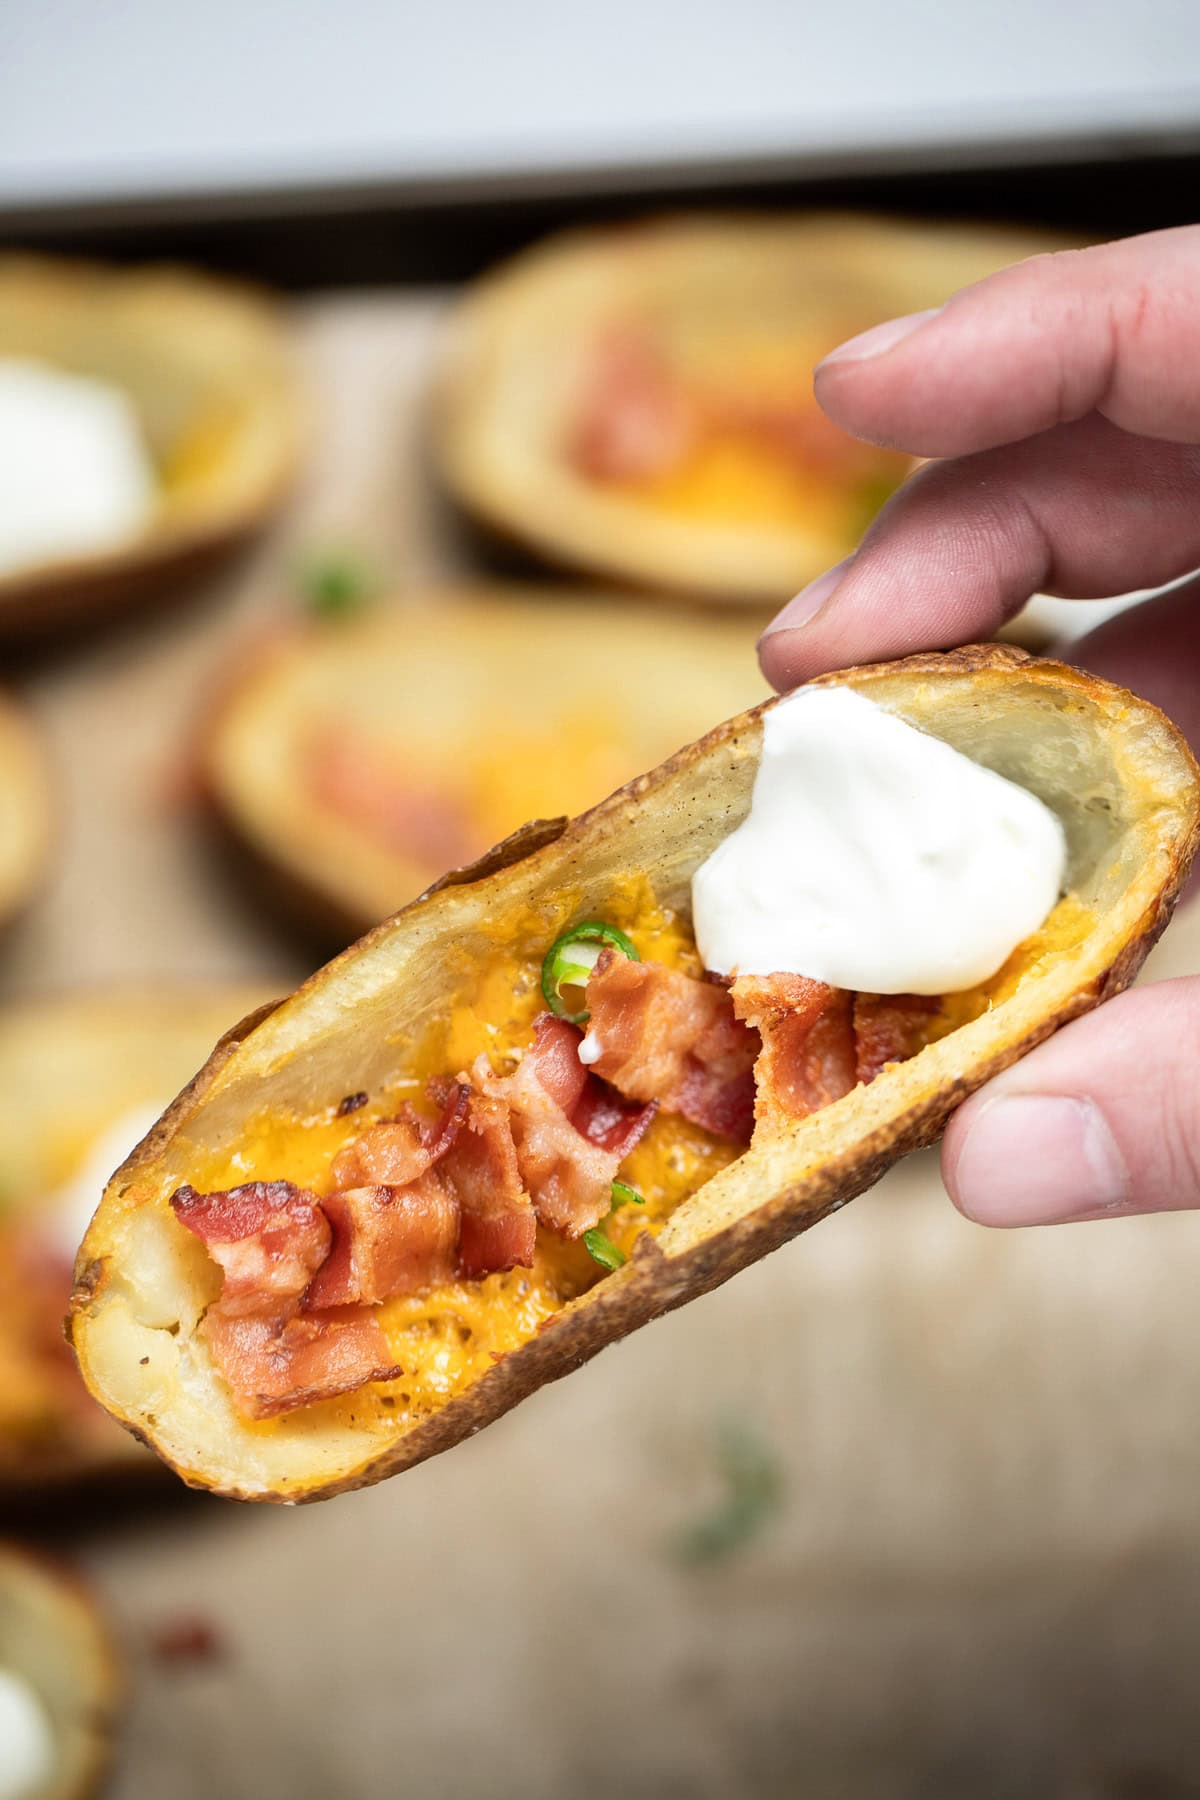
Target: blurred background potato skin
(73, 1068)
(357, 759)
(207, 365)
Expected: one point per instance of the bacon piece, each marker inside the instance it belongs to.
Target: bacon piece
(498, 1224)
(609, 1120)
(808, 1052)
(889, 1028)
(395, 1152)
(269, 1237)
(568, 1177)
(386, 1240)
(666, 1036)
(606, 1118)
(636, 420)
(273, 1364)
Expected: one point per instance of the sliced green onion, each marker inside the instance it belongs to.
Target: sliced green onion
(572, 957)
(624, 1195)
(603, 1250)
(336, 583)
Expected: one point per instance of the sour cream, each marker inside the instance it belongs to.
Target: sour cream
(875, 857)
(68, 1209)
(75, 474)
(27, 1756)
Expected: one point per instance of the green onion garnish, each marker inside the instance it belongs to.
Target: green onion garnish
(336, 584)
(603, 1250)
(572, 957)
(624, 1195)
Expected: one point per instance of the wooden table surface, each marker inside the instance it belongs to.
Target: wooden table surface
(982, 1576)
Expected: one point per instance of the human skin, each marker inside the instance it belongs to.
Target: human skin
(1062, 399)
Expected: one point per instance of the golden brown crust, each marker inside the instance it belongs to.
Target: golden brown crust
(1116, 772)
(53, 1635)
(198, 356)
(502, 409)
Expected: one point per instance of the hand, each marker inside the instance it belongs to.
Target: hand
(1064, 396)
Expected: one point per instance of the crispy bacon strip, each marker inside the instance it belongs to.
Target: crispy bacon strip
(273, 1365)
(269, 1237)
(665, 1036)
(386, 1240)
(808, 1052)
(396, 1151)
(498, 1224)
(570, 1133)
(568, 1178)
(889, 1028)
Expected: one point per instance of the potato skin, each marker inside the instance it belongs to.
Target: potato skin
(500, 408)
(203, 325)
(49, 1608)
(1137, 762)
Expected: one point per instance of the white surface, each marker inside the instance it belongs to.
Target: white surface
(875, 857)
(75, 474)
(137, 97)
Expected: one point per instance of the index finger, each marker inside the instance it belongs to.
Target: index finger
(1113, 330)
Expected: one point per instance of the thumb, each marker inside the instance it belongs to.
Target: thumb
(1102, 1119)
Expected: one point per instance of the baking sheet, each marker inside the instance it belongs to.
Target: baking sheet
(981, 1573)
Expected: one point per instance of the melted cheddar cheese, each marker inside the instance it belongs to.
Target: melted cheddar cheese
(448, 1336)
(738, 479)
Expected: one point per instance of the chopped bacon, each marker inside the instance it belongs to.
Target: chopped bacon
(568, 1177)
(889, 1028)
(498, 1224)
(609, 1120)
(605, 1117)
(666, 1036)
(386, 1240)
(570, 1131)
(636, 420)
(554, 1057)
(808, 1057)
(269, 1237)
(396, 1151)
(274, 1364)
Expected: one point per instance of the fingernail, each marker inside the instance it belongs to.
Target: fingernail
(1033, 1159)
(808, 602)
(879, 338)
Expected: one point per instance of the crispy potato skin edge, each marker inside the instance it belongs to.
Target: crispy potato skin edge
(651, 1283)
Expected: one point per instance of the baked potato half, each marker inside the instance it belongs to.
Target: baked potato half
(207, 367)
(636, 402)
(60, 1682)
(26, 810)
(460, 967)
(82, 1078)
(359, 758)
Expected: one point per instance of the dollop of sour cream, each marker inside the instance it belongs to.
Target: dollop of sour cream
(27, 1756)
(75, 473)
(875, 857)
